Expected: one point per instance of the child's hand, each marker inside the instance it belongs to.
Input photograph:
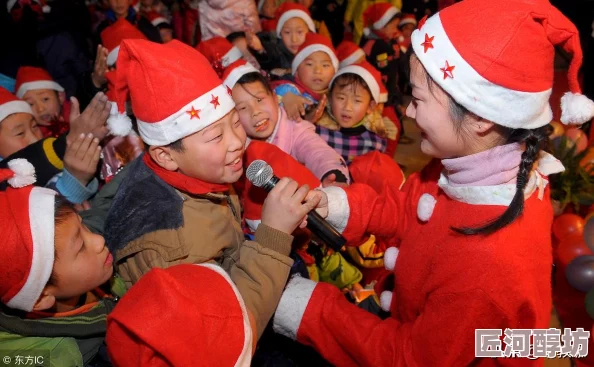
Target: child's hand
(93, 118)
(254, 42)
(330, 180)
(293, 104)
(315, 115)
(100, 68)
(322, 207)
(81, 157)
(287, 205)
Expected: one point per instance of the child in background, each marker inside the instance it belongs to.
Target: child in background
(354, 14)
(264, 120)
(349, 53)
(51, 269)
(18, 127)
(220, 53)
(406, 26)
(113, 35)
(275, 50)
(313, 67)
(122, 9)
(46, 98)
(162, 24)
(267, 10)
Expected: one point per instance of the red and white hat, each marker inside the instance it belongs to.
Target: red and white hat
(185, 315)
(348, 53)
(32, 78)
(370, 75)
(377, 15)
(219, 50)
(27, 220)
(235, 71)
(290, 10)
(407, 19)
(112, 36)
(10, 104)
(171, 100)
(156, 19)
(509, 82)
(314, 42)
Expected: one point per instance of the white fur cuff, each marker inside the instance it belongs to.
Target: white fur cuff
(338, 207)
(292, 306)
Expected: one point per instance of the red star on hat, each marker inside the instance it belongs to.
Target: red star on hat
(447, 70)
(215, 101)
(229, 91)
(193, 113)
(428, 42)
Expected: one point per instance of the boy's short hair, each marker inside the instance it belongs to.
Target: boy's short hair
(255, 77)
(347, 79)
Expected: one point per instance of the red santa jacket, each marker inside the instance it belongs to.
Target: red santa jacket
(445, 285)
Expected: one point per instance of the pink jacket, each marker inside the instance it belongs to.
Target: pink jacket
(299, 139)
(221, 17)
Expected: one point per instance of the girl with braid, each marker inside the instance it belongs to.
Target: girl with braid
(474, 226)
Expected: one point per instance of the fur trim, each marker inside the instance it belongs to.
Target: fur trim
(292, 305)
(425, 207)
(24, 173)
(390, 258)
(338, 207)
(386, 300)
(118, 123)
(576, 109)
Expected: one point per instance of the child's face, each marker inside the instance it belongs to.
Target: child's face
(316, 71)
(430, 109)
(293, 34)
(120, 7)
(269, 8)
(350, 104)
(390, 30)
(82, 261)
(17, 131)
(166, 35)
(407, 30)
(215, 153)
(45, 103)
(258, 109)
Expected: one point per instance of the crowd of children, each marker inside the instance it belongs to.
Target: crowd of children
(126, 212)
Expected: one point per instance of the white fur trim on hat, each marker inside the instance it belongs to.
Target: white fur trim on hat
(41, 222)
(294, 13)
(159, 20)
(181, 124)
(363, 73)
(386, 300)
(406, 21)
(237, 73)
(118, 124)
(304, 54)
(576, 109)
(45, 8)
(13, 107)
(24, 173)
(382, 98)
(39, 84)
(385, 19)
(359, 53)
(292, 305)
(338, 207)
(390, 258)
(425, 207)
(231, 56)
(112, 56)
(504, 106)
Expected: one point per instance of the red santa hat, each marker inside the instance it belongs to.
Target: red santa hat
(32, 78)
(370, 75)
(44, 7)
(156, 19)
(348, 53)
(219, 50)
(290, 10)
(27, 220)
(185, 315)
(235, 71)
(314, 42)
(170, 99)
(510, 81)
(377, 16)
(283, 165)
(407, 19)
(10, 104)
(112, 36)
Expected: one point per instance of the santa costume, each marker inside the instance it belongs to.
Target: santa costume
(445, 285)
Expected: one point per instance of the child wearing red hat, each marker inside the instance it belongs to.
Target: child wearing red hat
(52, 268)
(474, 229)
(180, 190)
(18, 127)
(163, 25)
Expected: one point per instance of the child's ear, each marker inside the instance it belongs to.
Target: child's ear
(371, 107)
(163, 157)
(45, 301)
(61, 97)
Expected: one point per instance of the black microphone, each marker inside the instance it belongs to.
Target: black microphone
(260, 175)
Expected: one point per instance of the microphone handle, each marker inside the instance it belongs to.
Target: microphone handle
(324, 230)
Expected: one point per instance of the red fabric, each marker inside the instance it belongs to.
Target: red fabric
(445, 285)
(376, 169)
(269, 25)
(214, 49)
(112, 36)
(390, 113)
(375, 12)
(182, 182)
(191, 32)
(346, 49)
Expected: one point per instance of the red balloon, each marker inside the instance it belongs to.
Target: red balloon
(571, 247)
(567, 224)
(578, 137)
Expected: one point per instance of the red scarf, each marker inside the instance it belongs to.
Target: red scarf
(303, 88)
(182, 182)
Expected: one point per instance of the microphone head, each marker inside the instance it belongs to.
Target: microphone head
(259, 173)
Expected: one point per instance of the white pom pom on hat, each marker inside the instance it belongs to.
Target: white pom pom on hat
(23, 173)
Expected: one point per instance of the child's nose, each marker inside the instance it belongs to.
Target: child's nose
(410, 111)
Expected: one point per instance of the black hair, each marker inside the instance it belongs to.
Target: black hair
(63, 209)
(533, 139)
(164, 25)
(346, 79)
(255, 77)
(177, 146)
(235, 35)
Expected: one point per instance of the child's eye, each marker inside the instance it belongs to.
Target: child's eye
(237, 123)
(259, 100)
(217, 138)
(45, 99)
